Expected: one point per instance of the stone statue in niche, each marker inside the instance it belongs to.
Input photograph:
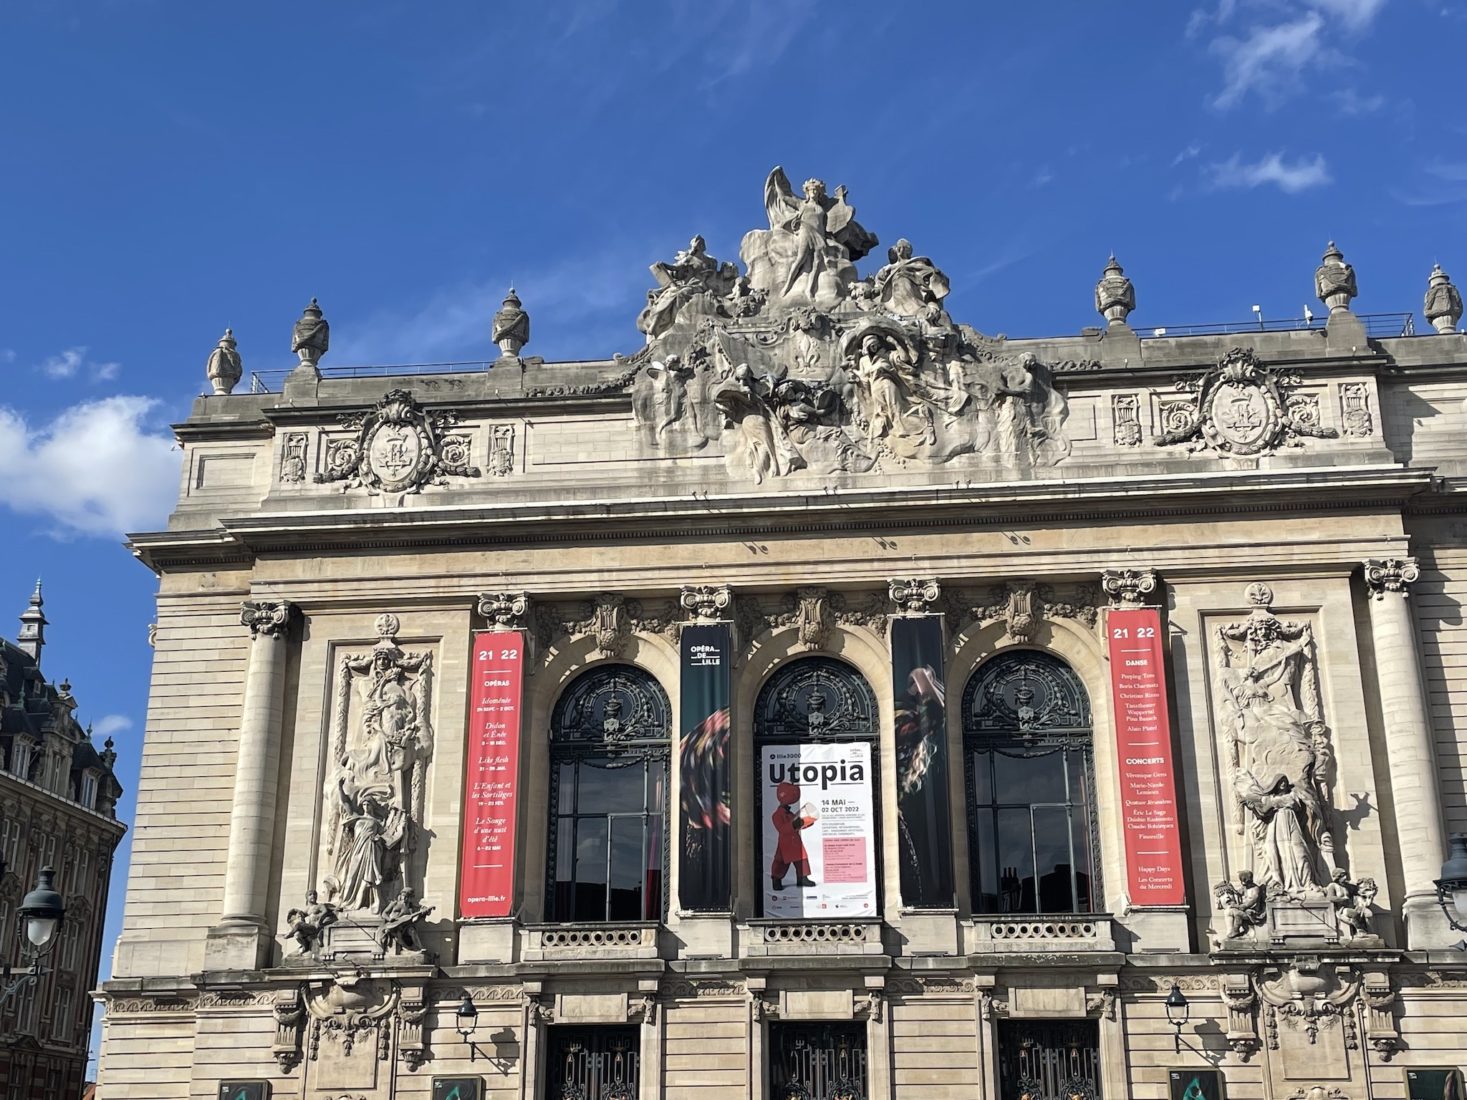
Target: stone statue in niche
(1278, 748)
(807, 255)
(381, 744)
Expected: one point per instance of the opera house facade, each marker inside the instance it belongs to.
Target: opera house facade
(825, 702)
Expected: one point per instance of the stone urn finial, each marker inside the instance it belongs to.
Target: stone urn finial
(225, 368)
(1115, 297)
(1443, 302)
(511, 326)
(311, 336)
(1334, 280)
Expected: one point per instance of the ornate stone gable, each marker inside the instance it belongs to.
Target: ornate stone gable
(399, 447)
(1241, 407)
(799, 365)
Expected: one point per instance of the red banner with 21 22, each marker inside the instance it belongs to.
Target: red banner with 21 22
(1144, 745)
(492, 785)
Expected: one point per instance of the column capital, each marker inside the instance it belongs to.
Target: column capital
(1383, 575)
(707, 602)
(914, 595)
(505, 610)
(1128, 587)
(271, 619)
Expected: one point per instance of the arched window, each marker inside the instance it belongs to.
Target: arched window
(1031, 787)
(610, 739)
(815, 733)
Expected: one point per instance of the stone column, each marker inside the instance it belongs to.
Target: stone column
(1409, 751)
(241, 940)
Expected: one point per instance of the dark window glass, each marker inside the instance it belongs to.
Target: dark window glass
(1030, 770)
(610, 738)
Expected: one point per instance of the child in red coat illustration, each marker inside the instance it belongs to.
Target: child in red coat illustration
(790, 851)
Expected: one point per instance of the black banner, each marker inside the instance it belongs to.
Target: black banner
(706, 881)
(924, 819)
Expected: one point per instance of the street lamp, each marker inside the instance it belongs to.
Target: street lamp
(1451, 888)
(41, 912)
(1177, 1012)
(467, 1017)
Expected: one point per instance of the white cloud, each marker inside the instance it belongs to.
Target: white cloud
(109, 724)
(1269, 59)
(73, 361)
(97, 469)
(1301, 175)
(1189, 153)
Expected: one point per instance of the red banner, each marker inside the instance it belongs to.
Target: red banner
(1144, 745)
(491, 790)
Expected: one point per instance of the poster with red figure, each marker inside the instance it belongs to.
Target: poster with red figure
(491, 788)
(1144, 748)
(819, 832)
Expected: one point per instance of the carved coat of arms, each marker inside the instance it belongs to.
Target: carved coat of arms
(399, 447)
(1242, 408)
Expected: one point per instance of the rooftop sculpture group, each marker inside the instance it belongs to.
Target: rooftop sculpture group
(799, 364)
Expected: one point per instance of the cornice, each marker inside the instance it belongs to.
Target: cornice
(606, 520)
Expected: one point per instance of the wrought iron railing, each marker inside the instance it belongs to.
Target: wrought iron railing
(1380, 325)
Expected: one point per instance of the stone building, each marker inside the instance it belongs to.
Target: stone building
(58, 799)
(827, 700)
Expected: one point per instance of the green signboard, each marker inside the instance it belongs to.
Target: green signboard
(244, 1090)
(1196, 1084)
(457, 1088)
(1435, 1084)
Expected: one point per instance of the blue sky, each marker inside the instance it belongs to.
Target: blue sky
(170, 168)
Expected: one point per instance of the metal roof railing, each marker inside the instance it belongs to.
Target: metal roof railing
(1380, 325)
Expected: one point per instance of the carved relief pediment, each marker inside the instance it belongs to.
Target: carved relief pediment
(798, 364)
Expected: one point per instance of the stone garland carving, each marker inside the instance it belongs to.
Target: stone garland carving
(1355, 409)
(293, 458)
(382, 740)
(704, 987)
(1240, 408)
(1128, 587)
(1126, 415)
(1021, 605)
(1308, 996)
(610, 618)
(353, 1013)
(1385, 576)
(1319, 1092)
(800, 365)
(809, 609)
(1276, 747)
(399, 447)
